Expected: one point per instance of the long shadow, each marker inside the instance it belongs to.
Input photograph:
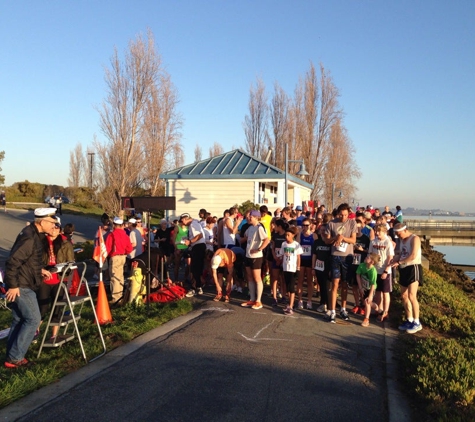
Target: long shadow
(208, 371)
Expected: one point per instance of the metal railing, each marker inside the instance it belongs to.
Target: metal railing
(440, 225)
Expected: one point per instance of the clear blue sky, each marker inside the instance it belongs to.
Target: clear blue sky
(405, 69)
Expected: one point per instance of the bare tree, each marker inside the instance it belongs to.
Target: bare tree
(341, 171)
(160, 133)
(317, 110)
(76, 166)
(178, 157)
(138, 110)
(198, 153)
(215, 150)
(256, 123)
(280, 122)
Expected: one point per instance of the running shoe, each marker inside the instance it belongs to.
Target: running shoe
(300, 305)
(257, 305)
(200, 291)
(309, 305)
(332, 318)
(190, 293)
(415, 328)
(355, 310)
(23, 363)
(322, 309)
(344, 315)
(406, 326)
(288, 311)
(361, 311)
(365, 323)
(248, 304)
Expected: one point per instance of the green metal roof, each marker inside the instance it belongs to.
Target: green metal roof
(236, 164)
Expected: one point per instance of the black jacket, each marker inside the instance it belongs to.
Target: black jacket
(23, 266)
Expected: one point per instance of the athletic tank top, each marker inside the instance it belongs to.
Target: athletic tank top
(306, 243)
(406, 249)
(228, 237)
(181, 235)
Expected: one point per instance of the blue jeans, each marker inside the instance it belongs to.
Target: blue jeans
(26, 319)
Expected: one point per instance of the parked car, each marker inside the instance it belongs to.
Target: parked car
(64, 199)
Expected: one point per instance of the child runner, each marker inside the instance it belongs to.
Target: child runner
(321, 263)
(366, 276)
(364, 236)
(383, 246)
(275, 264)
(291, 251)
(306, 239)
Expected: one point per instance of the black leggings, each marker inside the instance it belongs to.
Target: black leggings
(323, 278)
(198, 253)
(46, 295)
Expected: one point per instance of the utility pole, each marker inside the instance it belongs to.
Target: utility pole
(92, 165)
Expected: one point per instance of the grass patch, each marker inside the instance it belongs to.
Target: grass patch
(129, 322)
(439, 364)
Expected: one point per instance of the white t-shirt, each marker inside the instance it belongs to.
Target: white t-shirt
(255, 236)
(383, 248)
(290, 251)
(194, 229)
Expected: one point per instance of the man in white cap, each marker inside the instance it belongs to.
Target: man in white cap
(24, 273)
(118, 247)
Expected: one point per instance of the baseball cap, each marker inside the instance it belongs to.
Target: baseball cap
(215, 261)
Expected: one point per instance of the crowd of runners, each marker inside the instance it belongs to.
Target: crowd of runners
(302, 255)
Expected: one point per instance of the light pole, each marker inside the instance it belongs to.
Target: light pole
(301, 172)
(333, 195)
(92, 163)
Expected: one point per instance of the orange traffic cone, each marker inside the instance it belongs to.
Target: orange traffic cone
(102, 308)
(73, 290)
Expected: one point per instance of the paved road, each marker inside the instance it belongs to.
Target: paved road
(225, 363)
(236, 364)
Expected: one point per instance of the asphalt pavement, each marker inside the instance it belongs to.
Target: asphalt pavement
(228, 363)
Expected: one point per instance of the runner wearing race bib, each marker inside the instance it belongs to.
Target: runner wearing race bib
(306, 239)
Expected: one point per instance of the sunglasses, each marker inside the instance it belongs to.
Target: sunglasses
(305, 225)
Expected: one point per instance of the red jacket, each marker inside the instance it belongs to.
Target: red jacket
(118, 243)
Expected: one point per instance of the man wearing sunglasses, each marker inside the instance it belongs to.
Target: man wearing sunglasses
(24, 273)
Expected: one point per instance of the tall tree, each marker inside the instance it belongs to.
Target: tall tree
(198, 153)
(216, 149)
(76, 166)
(256, 123)
(311, 124)
(138, 118)
(161, 132)
(341, 171)
(280, 125)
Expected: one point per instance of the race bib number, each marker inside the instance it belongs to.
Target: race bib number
(356, 259)
(342, 247)
(307, 250)
(319, 265)
(278, 252)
